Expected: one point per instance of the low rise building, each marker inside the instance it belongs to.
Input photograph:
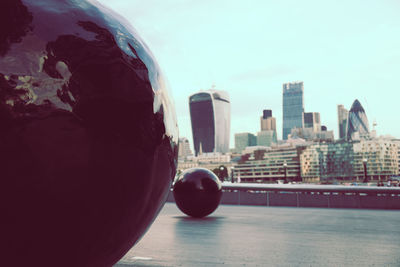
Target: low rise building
(243, 140)
(371, 160)
(268, 166)
(184, 148)
(266, 138)
(397, 141)
(310, 134)
(326, 161)
(208, 161)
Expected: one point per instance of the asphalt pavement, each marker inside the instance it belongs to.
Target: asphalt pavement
(270, 236)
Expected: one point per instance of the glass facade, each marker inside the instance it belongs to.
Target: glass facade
(329, 161)
(210, 117)
(293, 107)
(222, 118)
(357, 123)
(243, 140)
(343, 161)
(266, 138)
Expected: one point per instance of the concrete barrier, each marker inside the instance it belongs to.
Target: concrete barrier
(230, 198)
(345, 201)
(314, 196)
(313, 200)
(282, 199)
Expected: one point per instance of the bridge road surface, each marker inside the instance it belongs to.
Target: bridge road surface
(270, 236)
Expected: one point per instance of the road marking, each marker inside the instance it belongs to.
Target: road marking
(141, 258)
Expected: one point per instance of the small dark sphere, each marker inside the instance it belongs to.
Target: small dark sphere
(197, 192)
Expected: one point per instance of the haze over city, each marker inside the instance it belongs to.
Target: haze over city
(94, 173)
(341, 50)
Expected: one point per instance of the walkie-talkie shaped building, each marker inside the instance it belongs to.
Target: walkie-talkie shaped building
(210, 114)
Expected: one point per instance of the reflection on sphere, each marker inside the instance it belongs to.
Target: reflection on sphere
(88, 141)
(197, 192)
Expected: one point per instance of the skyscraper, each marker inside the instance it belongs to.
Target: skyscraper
(342, 121)
(357, 124)
(293, 107)
(268, 123)
(267, 136)
(267, 113)
(210, 116)
(312, 120)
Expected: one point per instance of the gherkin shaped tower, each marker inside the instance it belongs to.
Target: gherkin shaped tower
(357, 121)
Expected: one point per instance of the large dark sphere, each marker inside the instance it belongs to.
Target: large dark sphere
(88, 135)
(197, 192)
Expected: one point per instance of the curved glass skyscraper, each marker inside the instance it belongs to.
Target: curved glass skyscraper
(357, 122)
(210, 113)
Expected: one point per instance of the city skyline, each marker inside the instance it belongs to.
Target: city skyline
(251, 49)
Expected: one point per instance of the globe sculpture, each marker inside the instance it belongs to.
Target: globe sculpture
(197, 192)
(88, 135)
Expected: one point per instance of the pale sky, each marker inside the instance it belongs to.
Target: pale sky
(342, 50)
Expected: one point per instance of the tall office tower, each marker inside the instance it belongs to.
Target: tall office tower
(211, 118)
(267, 113)
(312, 120)
(184, 148)
(243, 140)
(268, 123)
(357, 124)
(342, 121)
(293, 107)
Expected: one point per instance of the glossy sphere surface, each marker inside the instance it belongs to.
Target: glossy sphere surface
(197, 192)
(87, 135)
